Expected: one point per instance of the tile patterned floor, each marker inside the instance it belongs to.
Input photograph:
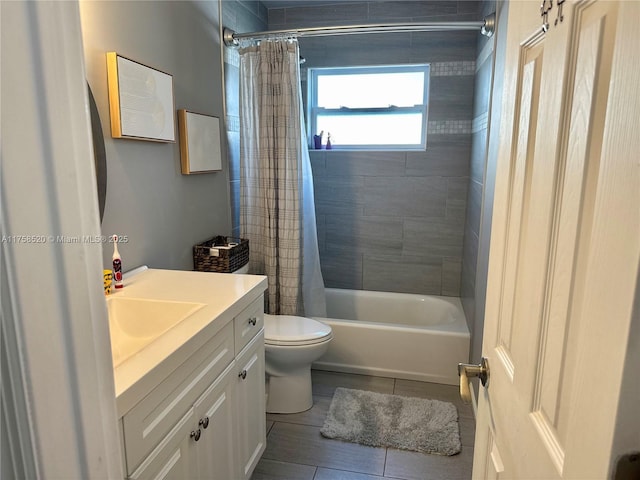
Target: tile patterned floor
(297, 451)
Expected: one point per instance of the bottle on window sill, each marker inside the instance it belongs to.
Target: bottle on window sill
(317, 141)
(328, 147)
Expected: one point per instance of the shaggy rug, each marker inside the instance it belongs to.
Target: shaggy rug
(382, 420)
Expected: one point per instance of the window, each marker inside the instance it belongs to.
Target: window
(373, 108)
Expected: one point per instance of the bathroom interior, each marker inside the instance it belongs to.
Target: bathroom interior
(406, 222)
(411, 222)
(165, 378)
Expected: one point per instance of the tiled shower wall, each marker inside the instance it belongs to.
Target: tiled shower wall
(241, 16)
(394, 221)
(487, 106)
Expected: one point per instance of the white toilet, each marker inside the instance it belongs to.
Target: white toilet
(291, 345)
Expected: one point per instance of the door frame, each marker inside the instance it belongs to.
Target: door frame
(58, 395)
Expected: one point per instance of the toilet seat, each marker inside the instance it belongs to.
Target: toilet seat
(289, 330)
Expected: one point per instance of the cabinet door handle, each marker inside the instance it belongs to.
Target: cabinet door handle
(204, 422)
(243, 374)
(195, 435)
(253, 321)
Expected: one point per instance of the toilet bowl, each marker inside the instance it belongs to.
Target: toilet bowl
(291, 345)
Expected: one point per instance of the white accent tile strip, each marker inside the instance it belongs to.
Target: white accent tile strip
(233, 123)
(449, 69)
(449, 127)
(481, 122)
(486, 52)
(231, 56)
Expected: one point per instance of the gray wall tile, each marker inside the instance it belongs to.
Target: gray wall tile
(478, 155)
(364, 49)
(341, 269)
(330, 14)
(340, 195)
(469, 262)
(235, 202)
(459, 17)
(450, 98)
(451, 271)
(349, 164)
(276, 17)
(404, 274)
(405, 196)
(321, 229)
(469, 6)
(443, 46)
(474, 206)
(318, 163)
(233, 139)
(445, 156)
(457, 200)
(399, 9)
(482, 87)
(229, 16)
(241, 16)
(232, 81)
(247, 17)
(363, 234)
(436, 237)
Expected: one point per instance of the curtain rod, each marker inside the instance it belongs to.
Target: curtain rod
(485, 26)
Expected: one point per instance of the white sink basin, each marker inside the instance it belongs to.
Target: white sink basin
(134, 323)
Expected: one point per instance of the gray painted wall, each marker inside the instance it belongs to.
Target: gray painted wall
(394, 221)
(163, 212)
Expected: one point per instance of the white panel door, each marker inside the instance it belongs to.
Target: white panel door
(565, 243)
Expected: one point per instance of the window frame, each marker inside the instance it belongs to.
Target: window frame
(313, 110)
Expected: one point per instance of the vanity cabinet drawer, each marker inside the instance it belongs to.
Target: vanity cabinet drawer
(146, 424)
(248, 323)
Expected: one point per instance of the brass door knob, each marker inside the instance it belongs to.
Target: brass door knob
(467, 371)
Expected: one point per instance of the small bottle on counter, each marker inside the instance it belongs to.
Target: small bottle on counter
(117, 264)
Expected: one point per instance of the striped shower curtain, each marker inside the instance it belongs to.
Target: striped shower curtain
(277, 212)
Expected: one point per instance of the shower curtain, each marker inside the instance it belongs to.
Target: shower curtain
(277, 211)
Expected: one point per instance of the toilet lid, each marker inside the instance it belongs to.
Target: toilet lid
(290, 330)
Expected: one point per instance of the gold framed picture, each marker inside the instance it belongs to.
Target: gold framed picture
(199, 142)
(141, 101)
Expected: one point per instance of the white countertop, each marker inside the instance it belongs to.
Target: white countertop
(224, 295)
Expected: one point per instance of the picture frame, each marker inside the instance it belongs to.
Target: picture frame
(141, 101)
(199, 142)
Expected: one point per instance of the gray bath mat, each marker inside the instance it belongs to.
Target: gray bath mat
(381, 420)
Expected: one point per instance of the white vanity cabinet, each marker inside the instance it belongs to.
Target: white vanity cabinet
(205, 419)
(174, 458)
(251, 403)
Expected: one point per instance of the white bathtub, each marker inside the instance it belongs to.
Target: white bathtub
(415, 337)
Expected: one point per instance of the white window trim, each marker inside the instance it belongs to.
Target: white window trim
(313, 109)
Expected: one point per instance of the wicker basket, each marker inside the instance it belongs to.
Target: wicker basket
(227, 260)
